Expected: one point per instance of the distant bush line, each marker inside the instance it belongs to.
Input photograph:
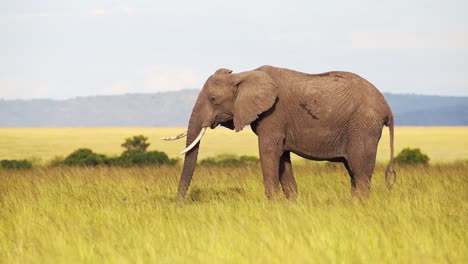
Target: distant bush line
(15, 164)
(136, 154)
(86, 158)
(227, 160)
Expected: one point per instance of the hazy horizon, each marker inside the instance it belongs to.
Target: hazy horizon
(188, 89)
(63, 50)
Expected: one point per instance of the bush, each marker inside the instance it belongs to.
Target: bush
(142, 158)
(209, 162)
(412, 156)
(15, 164)
(85, 157)
(227, 160)
(249, 160)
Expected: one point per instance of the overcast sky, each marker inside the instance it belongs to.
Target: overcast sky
(63, 49)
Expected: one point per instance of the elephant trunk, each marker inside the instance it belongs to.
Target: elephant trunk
(190, 160)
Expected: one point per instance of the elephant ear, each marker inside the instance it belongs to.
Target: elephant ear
(256, 93)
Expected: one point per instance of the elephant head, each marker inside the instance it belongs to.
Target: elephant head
(231, 100)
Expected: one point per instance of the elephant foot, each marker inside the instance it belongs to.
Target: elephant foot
(273, 195)
(291, 195)
(361, 191)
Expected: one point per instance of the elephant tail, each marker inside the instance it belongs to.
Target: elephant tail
(390, 172)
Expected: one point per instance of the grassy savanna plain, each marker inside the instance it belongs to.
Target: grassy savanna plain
(442, 144)
(129, 215)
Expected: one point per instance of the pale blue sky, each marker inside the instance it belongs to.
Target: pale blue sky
(63, 49)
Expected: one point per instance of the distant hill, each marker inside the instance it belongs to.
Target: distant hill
(173, 109)
(428, 110)
(158, 109)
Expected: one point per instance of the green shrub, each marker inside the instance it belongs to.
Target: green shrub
(209, 162)
(85, 157)
(15, 164)
(249, 160)
(412, 156)
(142, 158)
(228, 160)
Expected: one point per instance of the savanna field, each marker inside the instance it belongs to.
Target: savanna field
(129, 215)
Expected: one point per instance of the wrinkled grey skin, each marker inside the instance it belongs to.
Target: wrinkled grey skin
(334, 116)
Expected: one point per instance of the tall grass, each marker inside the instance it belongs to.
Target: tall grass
(128, 215)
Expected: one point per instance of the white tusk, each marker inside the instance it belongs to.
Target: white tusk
(200, 135)
(175, 137)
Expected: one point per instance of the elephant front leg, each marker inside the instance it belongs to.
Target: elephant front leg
(286, 176)
(270, 155)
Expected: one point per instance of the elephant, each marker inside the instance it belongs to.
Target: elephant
(333, 116)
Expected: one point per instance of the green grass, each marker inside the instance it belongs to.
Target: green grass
(43, 144)
(128, 215)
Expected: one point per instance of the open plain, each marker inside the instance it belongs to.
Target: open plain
(129, 215)
(442, 144)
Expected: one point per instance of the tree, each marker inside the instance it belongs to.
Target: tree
(135, 144)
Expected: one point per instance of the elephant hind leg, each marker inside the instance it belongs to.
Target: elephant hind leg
(286, 176)
(360, 163)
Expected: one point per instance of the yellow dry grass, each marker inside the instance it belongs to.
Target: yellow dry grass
(442, 144)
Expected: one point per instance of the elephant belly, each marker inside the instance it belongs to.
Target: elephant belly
(316, 143)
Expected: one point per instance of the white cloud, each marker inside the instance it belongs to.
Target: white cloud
(18, 88)
(172, 78)
(8, 89)
(310, 39)
(119, 87)
(28, 17)
(114, 10)
(408, 39)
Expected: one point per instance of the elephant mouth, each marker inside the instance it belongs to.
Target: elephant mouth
(221, 118)
(215, 124)
(228, 124)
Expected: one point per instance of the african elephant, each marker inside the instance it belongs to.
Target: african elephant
(334, 116)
